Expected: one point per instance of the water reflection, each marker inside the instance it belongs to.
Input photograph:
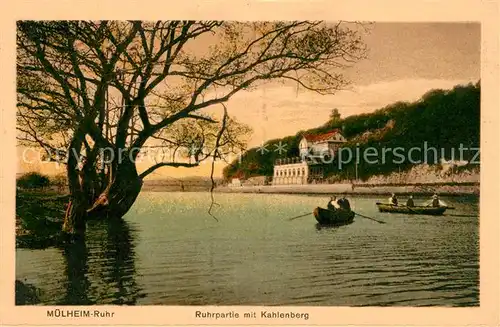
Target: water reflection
(119, 251)
(101, 269)
(331, 227)
(76, 270)
(169, 249)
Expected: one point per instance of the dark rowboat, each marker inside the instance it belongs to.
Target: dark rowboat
(329, 217)
(417, 210)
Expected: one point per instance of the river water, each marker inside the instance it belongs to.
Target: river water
(170, 251)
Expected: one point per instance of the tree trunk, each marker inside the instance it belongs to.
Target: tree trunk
(76, 216)
(120, 194)
(112, 203)
(74, 220)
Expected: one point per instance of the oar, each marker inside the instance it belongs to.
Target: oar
(409, 208)
(306, 214)
(378, 221)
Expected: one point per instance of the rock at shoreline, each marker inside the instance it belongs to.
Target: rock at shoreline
(26, 294)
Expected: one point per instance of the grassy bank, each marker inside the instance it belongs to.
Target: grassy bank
(39, 218)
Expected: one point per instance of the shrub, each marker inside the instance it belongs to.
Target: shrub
(33, 180)
(60, 181)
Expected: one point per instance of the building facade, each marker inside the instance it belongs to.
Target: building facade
(322, 144)
(290, 171)
(235, 182)
(302, 170)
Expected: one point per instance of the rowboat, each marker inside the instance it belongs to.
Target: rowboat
(417, 210)
(329, 217)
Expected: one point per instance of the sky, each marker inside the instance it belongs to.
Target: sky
(404, 61)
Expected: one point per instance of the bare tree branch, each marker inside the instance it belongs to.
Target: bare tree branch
(163, 164)
(85, 86)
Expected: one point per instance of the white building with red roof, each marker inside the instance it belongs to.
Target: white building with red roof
(306, 169)
(321, 144)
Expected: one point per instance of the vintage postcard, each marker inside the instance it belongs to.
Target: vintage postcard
(272, 164)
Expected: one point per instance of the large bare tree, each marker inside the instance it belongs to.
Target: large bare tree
(95, 93)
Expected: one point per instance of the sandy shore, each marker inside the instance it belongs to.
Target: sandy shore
(417, 189)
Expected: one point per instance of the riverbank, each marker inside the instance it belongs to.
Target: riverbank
(449, 189)
(39, 219)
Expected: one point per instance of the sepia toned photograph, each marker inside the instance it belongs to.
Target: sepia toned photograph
(248, 163)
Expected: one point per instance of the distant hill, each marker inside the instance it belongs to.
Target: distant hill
(442, 118)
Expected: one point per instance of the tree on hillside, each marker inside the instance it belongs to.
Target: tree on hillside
(334, 116)
(98, 92)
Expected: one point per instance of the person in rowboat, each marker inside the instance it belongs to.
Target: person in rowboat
(344, 203)
(393, 199)
(410, 202)
(435, 201)
(333, 204)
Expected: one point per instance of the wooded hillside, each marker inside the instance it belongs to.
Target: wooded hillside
(444, 119)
